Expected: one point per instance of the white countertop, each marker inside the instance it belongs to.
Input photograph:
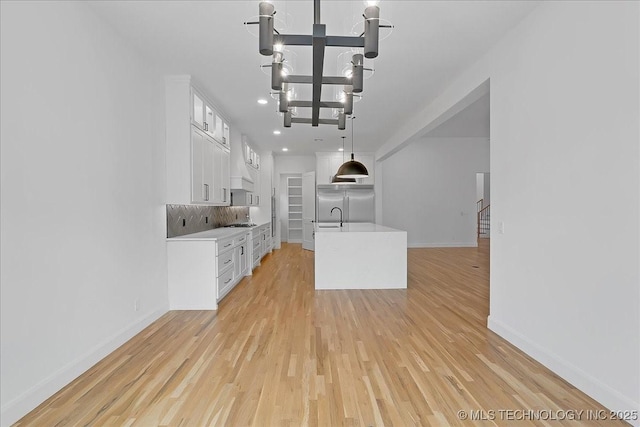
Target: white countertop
(353, 227)
(216, 233)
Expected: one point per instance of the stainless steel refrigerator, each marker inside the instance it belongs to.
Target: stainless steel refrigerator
(356, 202)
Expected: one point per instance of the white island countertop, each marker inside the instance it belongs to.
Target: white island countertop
(360, 256)
(353, 227)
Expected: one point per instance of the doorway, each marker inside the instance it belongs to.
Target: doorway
(483, 204)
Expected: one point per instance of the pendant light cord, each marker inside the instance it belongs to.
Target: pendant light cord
(352, 154)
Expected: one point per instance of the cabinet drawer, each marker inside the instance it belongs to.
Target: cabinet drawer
(224, 245)
(225, 284)
(256, 256)
(256, 244)
(241, 239)
(225, 261)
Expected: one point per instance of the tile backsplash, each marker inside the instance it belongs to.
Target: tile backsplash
(187, 219)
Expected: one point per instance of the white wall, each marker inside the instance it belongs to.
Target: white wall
(564, 280)
(286, 165)
(83, 215)
(262, 214)
(564, 125)
(295, 164)
(429, 190)
(486, 189)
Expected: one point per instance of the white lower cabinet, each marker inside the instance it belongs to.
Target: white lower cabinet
(203, 271)
(241, 265)
(262, 243)
(225, 270)
(225, 283)
(192, 274)
(265, 236)
(256, 248)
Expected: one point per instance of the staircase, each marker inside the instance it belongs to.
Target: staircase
(484, 219)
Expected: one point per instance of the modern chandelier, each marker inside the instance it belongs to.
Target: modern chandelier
(271, 43)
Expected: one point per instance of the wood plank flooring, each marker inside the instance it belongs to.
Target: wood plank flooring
(278, 353)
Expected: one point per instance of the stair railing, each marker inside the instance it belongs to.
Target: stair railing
(484, 219)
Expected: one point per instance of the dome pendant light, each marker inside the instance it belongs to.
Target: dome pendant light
(335, 179)
(352, 168)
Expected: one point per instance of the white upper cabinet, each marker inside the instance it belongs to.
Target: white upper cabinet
(209, 120)
(202, 167)
(197, 112)
(197, 157)
(205, 117)
(221, 179)
(251, 157)
(225, 134)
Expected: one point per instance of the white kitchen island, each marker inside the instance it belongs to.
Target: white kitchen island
(360, 256)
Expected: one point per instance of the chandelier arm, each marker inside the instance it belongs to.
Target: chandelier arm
(319, 41)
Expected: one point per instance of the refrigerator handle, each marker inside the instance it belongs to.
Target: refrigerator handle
(346, 208)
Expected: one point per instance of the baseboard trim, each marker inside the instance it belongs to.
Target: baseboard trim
(596, 389)
(444, 245)
(18, 407)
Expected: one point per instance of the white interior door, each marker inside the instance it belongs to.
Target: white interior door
(308, 209)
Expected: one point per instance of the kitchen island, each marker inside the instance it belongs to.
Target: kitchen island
(360, 256)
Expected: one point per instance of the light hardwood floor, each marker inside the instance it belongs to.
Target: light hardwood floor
(278, 353)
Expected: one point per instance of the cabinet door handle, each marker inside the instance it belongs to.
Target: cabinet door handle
(206, 191)
(206, 126)
(224, 194)
(241, 250)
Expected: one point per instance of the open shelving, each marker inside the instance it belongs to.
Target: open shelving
(294, 196)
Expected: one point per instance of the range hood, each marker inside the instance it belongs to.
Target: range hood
(241, 177)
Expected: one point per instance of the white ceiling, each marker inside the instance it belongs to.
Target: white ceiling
(431, 43)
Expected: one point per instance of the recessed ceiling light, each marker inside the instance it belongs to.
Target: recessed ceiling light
(285, 149)
(276, 132)
(340, 149)
(262, 101)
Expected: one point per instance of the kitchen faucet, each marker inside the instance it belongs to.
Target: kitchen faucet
(331, 213)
